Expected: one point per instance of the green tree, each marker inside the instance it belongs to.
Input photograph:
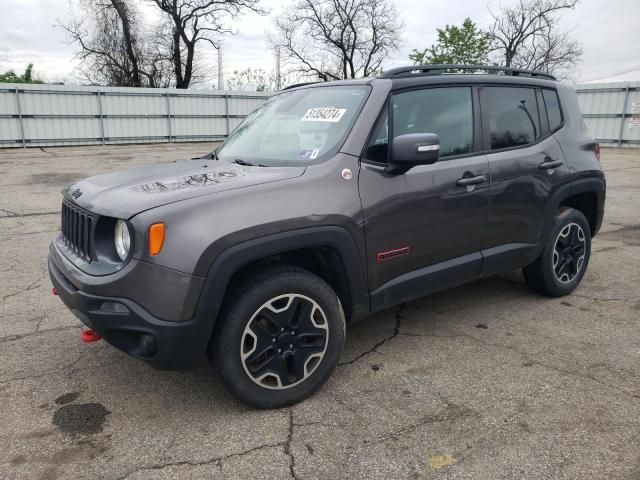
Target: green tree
(27, 77)
(250, 79)
(465, 45)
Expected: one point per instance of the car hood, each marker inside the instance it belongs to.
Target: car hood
(126, 193)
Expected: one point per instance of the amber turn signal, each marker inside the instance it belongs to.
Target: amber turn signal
(156, 238)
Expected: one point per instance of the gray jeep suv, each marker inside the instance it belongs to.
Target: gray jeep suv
(331, 201)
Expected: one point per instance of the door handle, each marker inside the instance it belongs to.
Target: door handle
(549, 163)
(466, 181)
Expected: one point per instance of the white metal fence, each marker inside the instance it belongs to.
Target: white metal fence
(612, 112)
(46, 115)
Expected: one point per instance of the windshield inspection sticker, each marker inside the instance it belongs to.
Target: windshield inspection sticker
(323, 114)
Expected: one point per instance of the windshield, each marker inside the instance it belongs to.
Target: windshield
(295, 128)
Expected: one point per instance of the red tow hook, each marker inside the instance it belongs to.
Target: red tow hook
(54, 291)
(90, 336)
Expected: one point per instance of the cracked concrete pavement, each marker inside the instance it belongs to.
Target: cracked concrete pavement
(485, 381)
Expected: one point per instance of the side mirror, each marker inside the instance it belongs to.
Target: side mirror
(413, 149)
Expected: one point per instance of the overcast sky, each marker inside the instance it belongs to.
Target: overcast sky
(609, 31)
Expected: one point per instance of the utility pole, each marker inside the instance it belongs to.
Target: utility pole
(278, 81)
(220, 76)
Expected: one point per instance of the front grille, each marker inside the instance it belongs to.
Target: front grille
(77, 229)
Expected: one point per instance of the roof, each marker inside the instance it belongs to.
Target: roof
(415, 75)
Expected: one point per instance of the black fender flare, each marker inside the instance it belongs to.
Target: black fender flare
(594, 185)
(230, 260)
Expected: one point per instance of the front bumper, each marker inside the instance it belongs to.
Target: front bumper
(165, 345)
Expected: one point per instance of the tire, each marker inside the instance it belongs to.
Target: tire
(279, 337)
(565, 257)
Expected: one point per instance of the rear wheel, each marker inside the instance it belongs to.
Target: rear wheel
(281, 336)
(563, 261)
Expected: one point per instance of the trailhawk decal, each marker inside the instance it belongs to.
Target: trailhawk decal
(323, 114)
(391, 254)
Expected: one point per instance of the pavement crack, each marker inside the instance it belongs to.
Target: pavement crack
(32, 214)
(394, 334)
(31, 286)
(428, 335)
(47, 151)
(574, 373)
(197, 463)
(587, 376)
(13, 236)
(450, 413)
(11, 338)
(8, 212)
(39, 319)
(604, 299)
(287, 447)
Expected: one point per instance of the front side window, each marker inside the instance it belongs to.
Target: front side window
(447, 112)
(296, 128)
(512, 116)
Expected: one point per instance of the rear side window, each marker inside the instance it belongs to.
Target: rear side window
(512, 116)
(446, 111)
(554, 115)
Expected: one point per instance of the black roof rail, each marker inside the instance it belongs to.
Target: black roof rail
(439, 69)
(296, 85)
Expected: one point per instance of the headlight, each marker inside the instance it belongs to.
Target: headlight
(122, 239)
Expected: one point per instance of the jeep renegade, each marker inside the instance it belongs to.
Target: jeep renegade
(331, 201)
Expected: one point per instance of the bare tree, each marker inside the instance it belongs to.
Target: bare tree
(527, 35)
(114, 49)
(337, 39)
(198, 21)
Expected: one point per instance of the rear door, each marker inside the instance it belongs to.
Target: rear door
(424, 229)
(526, 164)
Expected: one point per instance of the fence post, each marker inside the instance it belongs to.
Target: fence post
(24, 143)
(168, 113)
(98, 99)
(226, 112)
(624, 113)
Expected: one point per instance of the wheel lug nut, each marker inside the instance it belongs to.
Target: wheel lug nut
(273, 340)
(293, 332)
(291, 345)
(279, 350)
(282, 329)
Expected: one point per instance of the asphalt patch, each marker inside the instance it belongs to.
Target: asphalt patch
(86, 418)
(628, 235)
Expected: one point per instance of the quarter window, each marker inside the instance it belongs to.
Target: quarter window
(552, 103)
(378, 147)
(447, 112)
(512, 116)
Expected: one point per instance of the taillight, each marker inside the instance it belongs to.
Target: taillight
(596, 150)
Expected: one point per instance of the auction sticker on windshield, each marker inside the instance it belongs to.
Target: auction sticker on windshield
(323, 114)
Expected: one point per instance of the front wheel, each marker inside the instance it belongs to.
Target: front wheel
(281, 336)
(563, 261)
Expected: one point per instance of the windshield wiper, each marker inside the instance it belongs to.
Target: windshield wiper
(239, 161)
(211, 156)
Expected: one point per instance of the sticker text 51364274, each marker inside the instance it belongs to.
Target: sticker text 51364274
(323, 114)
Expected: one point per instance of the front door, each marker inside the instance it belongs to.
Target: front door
(424, 228)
